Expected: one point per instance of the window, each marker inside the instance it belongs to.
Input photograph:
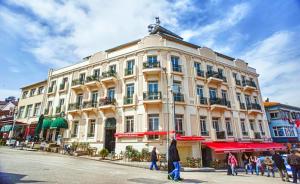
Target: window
(251, 121)
(212, 93)
(284, 114)
(293, 114)
(153, 120)
(220, 71)
(79, 99)
(203, 127)
(243, 127)
(234, 75)
(25, 93)
(248, 101)
(228, 126)
(129, 124)
(197, 66)
(176, 86)
(152, 59)
(209, 69)
(75, 129)
(255, 100)
(200, 91)
(21, 111)
(96, 73)
(61, 102)
(28, 111)
(178, 123)
(36, 111)
(175, 63)
(49, 104)
(153, 87)
(284, 131)
(113, 68)
(92, 128)
(238, 95)
(32, 92)
(129, 90)
(94, 98)
(53, 83)
(129, 69)
(111, 93)
(224, 95)
(215, 122)
(261, 129)
(274, 115)
(81, 77)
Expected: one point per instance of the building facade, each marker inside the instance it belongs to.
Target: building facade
(127, 95)
(30, 106)
(284, 121)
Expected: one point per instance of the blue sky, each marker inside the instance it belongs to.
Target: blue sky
(38, 35)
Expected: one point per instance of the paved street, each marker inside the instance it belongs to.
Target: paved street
(18, 166)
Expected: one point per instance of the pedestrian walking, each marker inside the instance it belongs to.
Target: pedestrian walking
(269, 166)
(258, 165)
(246, 162)
(252, 164)
(174, 158)
(279, 163)
(153, 159)
(294, 161)
(232, 162)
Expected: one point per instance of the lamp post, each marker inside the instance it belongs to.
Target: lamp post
(15, 112)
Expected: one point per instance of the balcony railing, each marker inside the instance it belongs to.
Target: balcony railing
(257, 135)
(89, 104)
(110, 73)
(253, 106)
(92, 78)
(107, 101)
(177, 68)
(180, 132)
(152, 95)
(249, 83)
(219, 101)
(205, 133)
(128, 100)
(128, 71)
(242, 106)
(216, 75)
(245, 133)
(200, 73)
(90, 134)
(76, 82)
(203, 100)
(220, 134)
(230, 133)
(149, 65)
(178, 97)
(238, 82)
(74, 106)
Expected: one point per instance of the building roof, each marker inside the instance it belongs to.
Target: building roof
(273, 104)
(33, 84)
(270, 104)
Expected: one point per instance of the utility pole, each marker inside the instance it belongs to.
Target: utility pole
(14, 122)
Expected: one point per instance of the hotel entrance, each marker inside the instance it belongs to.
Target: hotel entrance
(110, 130)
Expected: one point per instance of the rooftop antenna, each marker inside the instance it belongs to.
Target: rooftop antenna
(157, 20)
(152, 26)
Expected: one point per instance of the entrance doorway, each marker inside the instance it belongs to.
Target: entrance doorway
(110, 130)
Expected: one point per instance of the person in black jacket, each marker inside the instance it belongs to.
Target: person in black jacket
(279, 163)
(174, 158)
(153, 159)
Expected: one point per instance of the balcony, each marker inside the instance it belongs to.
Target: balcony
(89, 106)
(178, 98)
(214, 77)
(107, 104)
(199, 74)
(220, 135)
(219, 104)
(177, 70)
(52, 90)
(257, 135)
(151, 68)
(92, 81)
(242, 106)
(152, 97)
(249, 86)
(109, 77)
(74, 108)
(201, 101)
(77, 84)
(63, 87)
(254, 109)
(129, 101)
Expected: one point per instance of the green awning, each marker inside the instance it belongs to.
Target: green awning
(39, 126)
(46, 123)
(6, 128)
(59, 123)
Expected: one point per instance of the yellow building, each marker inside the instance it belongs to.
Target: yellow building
(126, 95)
(30, 105)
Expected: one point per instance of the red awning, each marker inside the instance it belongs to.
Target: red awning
(189, 138)
(223, 147)
(158, 132)
(131, 134)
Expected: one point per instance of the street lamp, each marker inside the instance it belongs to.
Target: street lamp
(15, 112)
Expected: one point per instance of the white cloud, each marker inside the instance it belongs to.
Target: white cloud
(63, 32)
(208, 33)
(277, 61)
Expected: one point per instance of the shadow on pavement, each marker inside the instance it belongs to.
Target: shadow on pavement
(11, 178)
(154, 181)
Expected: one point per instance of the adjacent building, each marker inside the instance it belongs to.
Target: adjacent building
(30, 106)
(128, 94)
(284, 121)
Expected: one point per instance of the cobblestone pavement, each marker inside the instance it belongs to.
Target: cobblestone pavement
(17, 166)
